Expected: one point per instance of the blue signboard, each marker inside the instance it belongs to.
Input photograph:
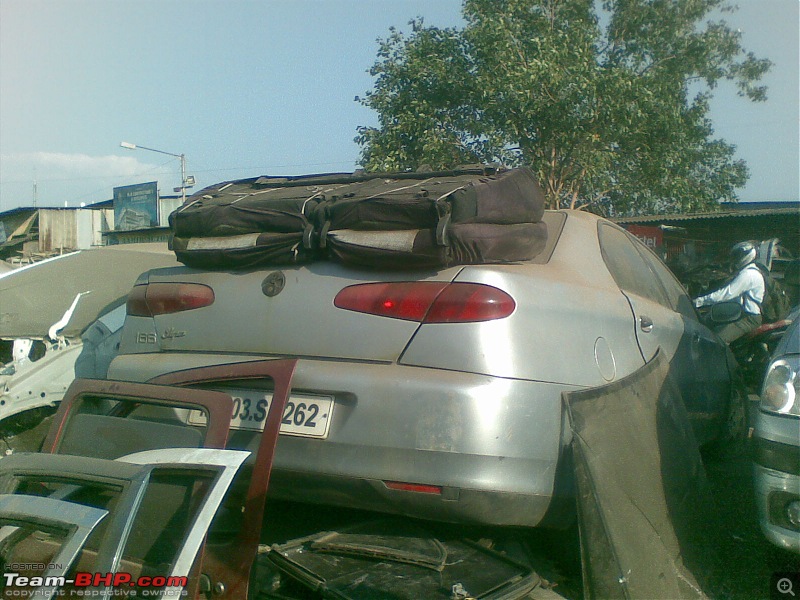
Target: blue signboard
(136, 206)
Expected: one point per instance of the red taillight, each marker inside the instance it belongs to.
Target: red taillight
(469, 303)
(165, 298)
(419, 488)
(428, 301)
(409, 301)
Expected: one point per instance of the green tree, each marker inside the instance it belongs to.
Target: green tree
(607, 102)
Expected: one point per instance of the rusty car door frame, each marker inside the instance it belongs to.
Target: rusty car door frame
(218, 405)
(233, 560)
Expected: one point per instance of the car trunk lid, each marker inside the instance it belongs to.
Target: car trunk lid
(288, 311)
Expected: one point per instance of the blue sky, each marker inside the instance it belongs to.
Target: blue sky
(246, 88)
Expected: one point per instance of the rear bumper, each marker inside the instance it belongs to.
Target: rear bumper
(467, 506)
(494, 446)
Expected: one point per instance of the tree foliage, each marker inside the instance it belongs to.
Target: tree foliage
(607, 102)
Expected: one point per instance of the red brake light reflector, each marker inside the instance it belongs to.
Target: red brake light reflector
(420, 488)
(409, 301)
(428, 301)
(137, 303)
(470, 303)
(165, 298)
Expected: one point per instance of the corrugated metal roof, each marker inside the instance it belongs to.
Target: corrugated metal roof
(753, 205)
(739, 214)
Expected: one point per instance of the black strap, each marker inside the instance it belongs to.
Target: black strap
(443, 211)
(308, 236)
(323, 234)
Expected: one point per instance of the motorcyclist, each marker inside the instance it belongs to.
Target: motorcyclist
(747, 287)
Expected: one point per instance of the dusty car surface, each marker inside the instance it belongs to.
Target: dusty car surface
(777, 444)
(430, 393)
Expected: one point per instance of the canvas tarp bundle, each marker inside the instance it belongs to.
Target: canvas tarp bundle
(465, 216)
(466, 244)
(644, 511)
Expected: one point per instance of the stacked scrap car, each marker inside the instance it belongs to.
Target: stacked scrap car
(434, 391)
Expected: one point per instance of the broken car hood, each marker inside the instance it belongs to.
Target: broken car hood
(35, 297)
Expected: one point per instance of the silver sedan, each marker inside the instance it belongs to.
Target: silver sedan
(434, 394)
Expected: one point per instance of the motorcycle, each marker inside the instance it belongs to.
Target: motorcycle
(754, 349)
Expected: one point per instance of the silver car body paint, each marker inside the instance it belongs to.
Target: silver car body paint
(472, 407)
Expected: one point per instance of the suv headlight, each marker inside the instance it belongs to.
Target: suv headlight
(781, 391)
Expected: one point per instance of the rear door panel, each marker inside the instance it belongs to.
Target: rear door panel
(659, 318)
(701, 354)
(656, 326)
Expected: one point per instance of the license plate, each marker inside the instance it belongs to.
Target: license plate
(303, 415)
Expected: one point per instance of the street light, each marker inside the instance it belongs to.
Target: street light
(186, 182)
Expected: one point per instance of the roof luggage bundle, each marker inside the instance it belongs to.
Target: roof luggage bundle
(398, 220)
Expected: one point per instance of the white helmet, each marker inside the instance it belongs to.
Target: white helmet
(742, 254)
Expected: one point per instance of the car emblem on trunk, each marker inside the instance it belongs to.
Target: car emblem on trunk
(273, 284)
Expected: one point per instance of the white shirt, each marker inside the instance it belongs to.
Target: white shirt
(747, 287)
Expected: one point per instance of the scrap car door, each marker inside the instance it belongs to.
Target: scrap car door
(33, 528)
(109, 419)
(179, 472)
(229, 556)
(158, 508)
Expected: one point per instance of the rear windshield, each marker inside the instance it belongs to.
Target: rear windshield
(555, 225)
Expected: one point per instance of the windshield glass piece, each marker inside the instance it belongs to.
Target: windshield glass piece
(168, 510)
(40, 539)
(29, 547)
(104, 427)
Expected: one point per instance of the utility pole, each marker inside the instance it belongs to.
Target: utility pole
(186, 182)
